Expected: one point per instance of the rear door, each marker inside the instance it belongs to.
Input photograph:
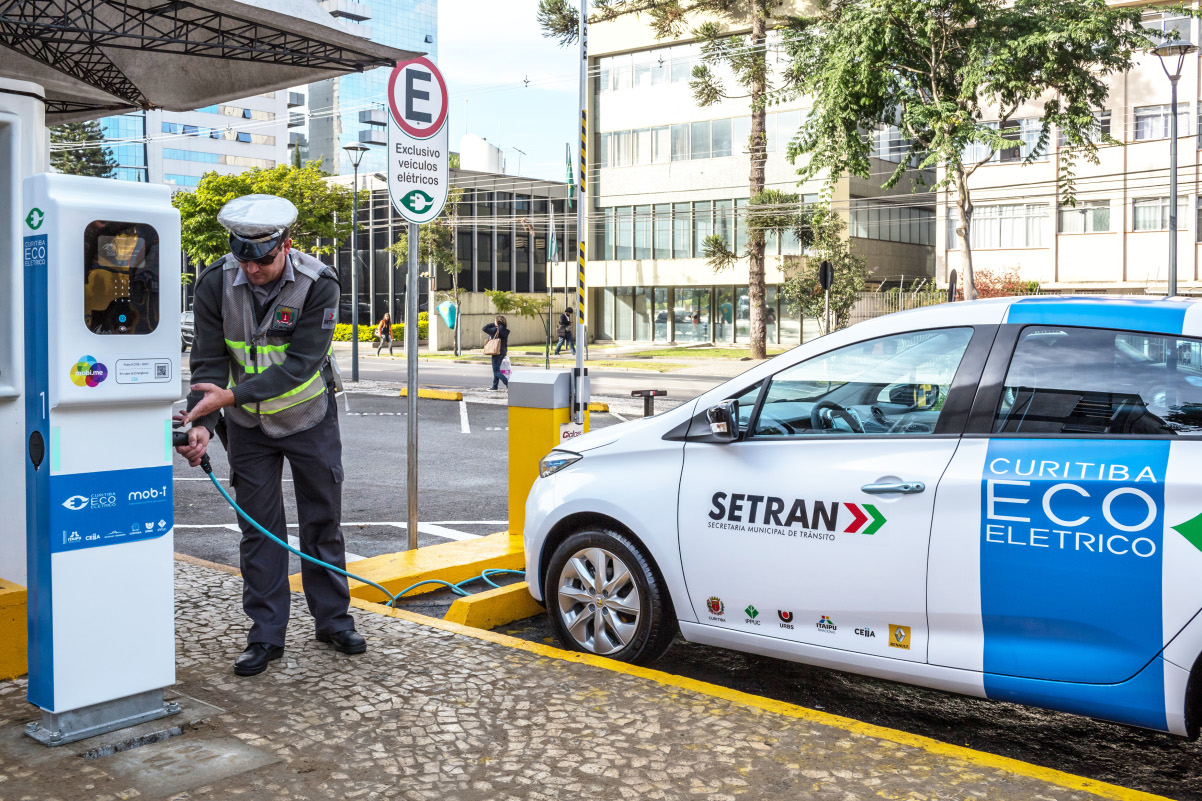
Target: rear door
(1068, 521)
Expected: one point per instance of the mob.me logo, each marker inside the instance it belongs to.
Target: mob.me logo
(152, 494)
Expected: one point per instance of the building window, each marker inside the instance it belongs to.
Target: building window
(724, 221)
(1153, 122)
(680, 142)
(1152, 213)
(642, 146)
(625, 232)
(1101, 127)
(699, 135)
(662, 231)
(682, 230)
(607, 235)
(1087, 217)
(661, 147)
(642, 232)
(1011, 226)
(182, 180)
(720, 138)
(702, 226)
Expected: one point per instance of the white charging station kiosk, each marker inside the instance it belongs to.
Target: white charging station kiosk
(102, 369)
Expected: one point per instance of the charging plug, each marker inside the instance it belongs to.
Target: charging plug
(180, 439)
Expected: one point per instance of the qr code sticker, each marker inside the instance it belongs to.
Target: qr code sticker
(162, 371)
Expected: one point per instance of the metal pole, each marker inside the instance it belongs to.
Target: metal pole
(827, 313)
(581, 222)
(411, 382)
(355, 283)
(1172, 288)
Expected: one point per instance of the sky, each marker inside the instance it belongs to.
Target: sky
(487, 49)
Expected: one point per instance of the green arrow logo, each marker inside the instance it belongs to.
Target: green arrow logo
(35, 218)
(417, 201)
(1192, 531)
(752, 612)
(878, 519)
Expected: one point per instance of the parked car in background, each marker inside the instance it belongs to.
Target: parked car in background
(187, 330)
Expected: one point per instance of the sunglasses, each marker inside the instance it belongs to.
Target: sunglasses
(262, 261)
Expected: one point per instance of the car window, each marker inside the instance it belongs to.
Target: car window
(1066, 380)
(891, 385)
(747, 399)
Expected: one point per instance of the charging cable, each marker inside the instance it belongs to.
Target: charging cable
(181, 438)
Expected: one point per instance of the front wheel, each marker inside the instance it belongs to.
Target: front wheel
(604, 597)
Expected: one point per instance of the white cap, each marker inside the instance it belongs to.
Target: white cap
(254, 216)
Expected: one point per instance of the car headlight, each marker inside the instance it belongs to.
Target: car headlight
(555, 461)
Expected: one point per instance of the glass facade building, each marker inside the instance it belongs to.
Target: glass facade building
(130, 131)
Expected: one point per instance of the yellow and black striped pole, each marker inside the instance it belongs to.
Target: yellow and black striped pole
(579, 401)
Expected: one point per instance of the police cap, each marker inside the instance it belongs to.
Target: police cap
(257, 224)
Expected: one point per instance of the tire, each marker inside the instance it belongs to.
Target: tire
(636, 616)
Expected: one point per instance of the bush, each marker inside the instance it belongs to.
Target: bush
(367, 333)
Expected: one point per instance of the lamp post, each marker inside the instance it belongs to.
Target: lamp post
(1169, 50)
(355, 151)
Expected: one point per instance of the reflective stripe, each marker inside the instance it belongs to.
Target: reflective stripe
(305, 392)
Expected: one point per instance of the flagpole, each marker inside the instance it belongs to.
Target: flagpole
(578, 402)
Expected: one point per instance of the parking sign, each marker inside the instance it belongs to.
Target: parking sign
(417, 140)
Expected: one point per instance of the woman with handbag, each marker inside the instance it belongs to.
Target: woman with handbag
(384, 334)
(497, 347)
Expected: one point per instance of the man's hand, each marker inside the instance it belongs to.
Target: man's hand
(198, 443)
(215, 398)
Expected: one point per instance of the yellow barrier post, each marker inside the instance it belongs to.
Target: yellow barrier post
(539, 419)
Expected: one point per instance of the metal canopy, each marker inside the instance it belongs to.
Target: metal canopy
(99, 57)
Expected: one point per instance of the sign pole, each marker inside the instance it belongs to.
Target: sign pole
(418, 182)
(411, 336)
(578, 402)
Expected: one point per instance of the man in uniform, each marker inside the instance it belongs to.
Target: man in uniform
(265, 317)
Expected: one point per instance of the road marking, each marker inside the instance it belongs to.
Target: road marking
(620, 417)
(446, 533)
(440, 529)
(222, 480)
(495, 428)
(464, 428)
(349, 557)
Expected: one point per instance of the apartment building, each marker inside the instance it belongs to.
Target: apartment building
(666, 173)
(1115, 239)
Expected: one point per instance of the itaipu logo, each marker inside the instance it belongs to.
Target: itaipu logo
(87, 372)
(417, 201)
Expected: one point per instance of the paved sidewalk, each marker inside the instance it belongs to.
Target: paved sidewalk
(436, 712)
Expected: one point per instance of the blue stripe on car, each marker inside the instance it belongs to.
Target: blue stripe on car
(1131, 314)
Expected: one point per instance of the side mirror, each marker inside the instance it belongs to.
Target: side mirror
(724, 420)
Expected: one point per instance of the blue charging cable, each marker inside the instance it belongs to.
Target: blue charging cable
(458, 589)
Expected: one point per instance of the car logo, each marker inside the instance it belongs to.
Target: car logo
(76, 502)
(785, 617)
(715, 605)
(899, 637)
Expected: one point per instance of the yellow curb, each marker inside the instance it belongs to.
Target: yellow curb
(448, 561)
(14, 631)
(434, 394)
(487, 610)
(598, 407)
(932, 746)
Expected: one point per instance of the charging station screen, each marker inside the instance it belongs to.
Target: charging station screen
(121, 277)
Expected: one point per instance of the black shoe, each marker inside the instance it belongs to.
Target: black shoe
(348, 641)
(255, 658)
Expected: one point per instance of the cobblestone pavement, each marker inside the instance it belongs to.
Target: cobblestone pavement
(429, 713)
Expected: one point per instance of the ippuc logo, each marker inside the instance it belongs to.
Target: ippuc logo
(76, 502)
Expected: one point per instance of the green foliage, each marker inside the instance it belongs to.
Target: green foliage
(938, 68)
(76, 149)
(802, 288)
(529, 306)
(452, 161)
(367, 333)
(316, 200)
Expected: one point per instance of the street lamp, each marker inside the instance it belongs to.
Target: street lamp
(1170, 50)
(355, 151)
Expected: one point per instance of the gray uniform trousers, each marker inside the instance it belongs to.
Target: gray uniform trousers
(257, 464)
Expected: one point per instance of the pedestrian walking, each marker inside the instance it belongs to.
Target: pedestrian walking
(265, 316)
(384, 333)
(497, 347)
(565, 331)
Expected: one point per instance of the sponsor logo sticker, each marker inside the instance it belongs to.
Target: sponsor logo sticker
(826, 624)
(87, 372)
(715, 606)
(899, 637)
(865, 631)
(791, 517)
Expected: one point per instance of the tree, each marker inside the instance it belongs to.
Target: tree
(324, 208)
(76, 148)
(934, 68)
(436, 248)
(802, 287)
(743, 55)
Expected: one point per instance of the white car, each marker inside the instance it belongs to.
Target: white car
(1000, 498)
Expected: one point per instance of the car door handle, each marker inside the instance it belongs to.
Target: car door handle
(902, 487)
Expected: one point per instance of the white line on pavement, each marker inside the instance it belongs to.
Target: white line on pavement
(222, 480)
(620, 417)
(464, 428)
(295, 543)
(446, 533)
(439, 529)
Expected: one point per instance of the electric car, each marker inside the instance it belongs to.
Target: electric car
(1000, 498)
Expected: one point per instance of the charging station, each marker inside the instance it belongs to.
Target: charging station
(102, 369)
